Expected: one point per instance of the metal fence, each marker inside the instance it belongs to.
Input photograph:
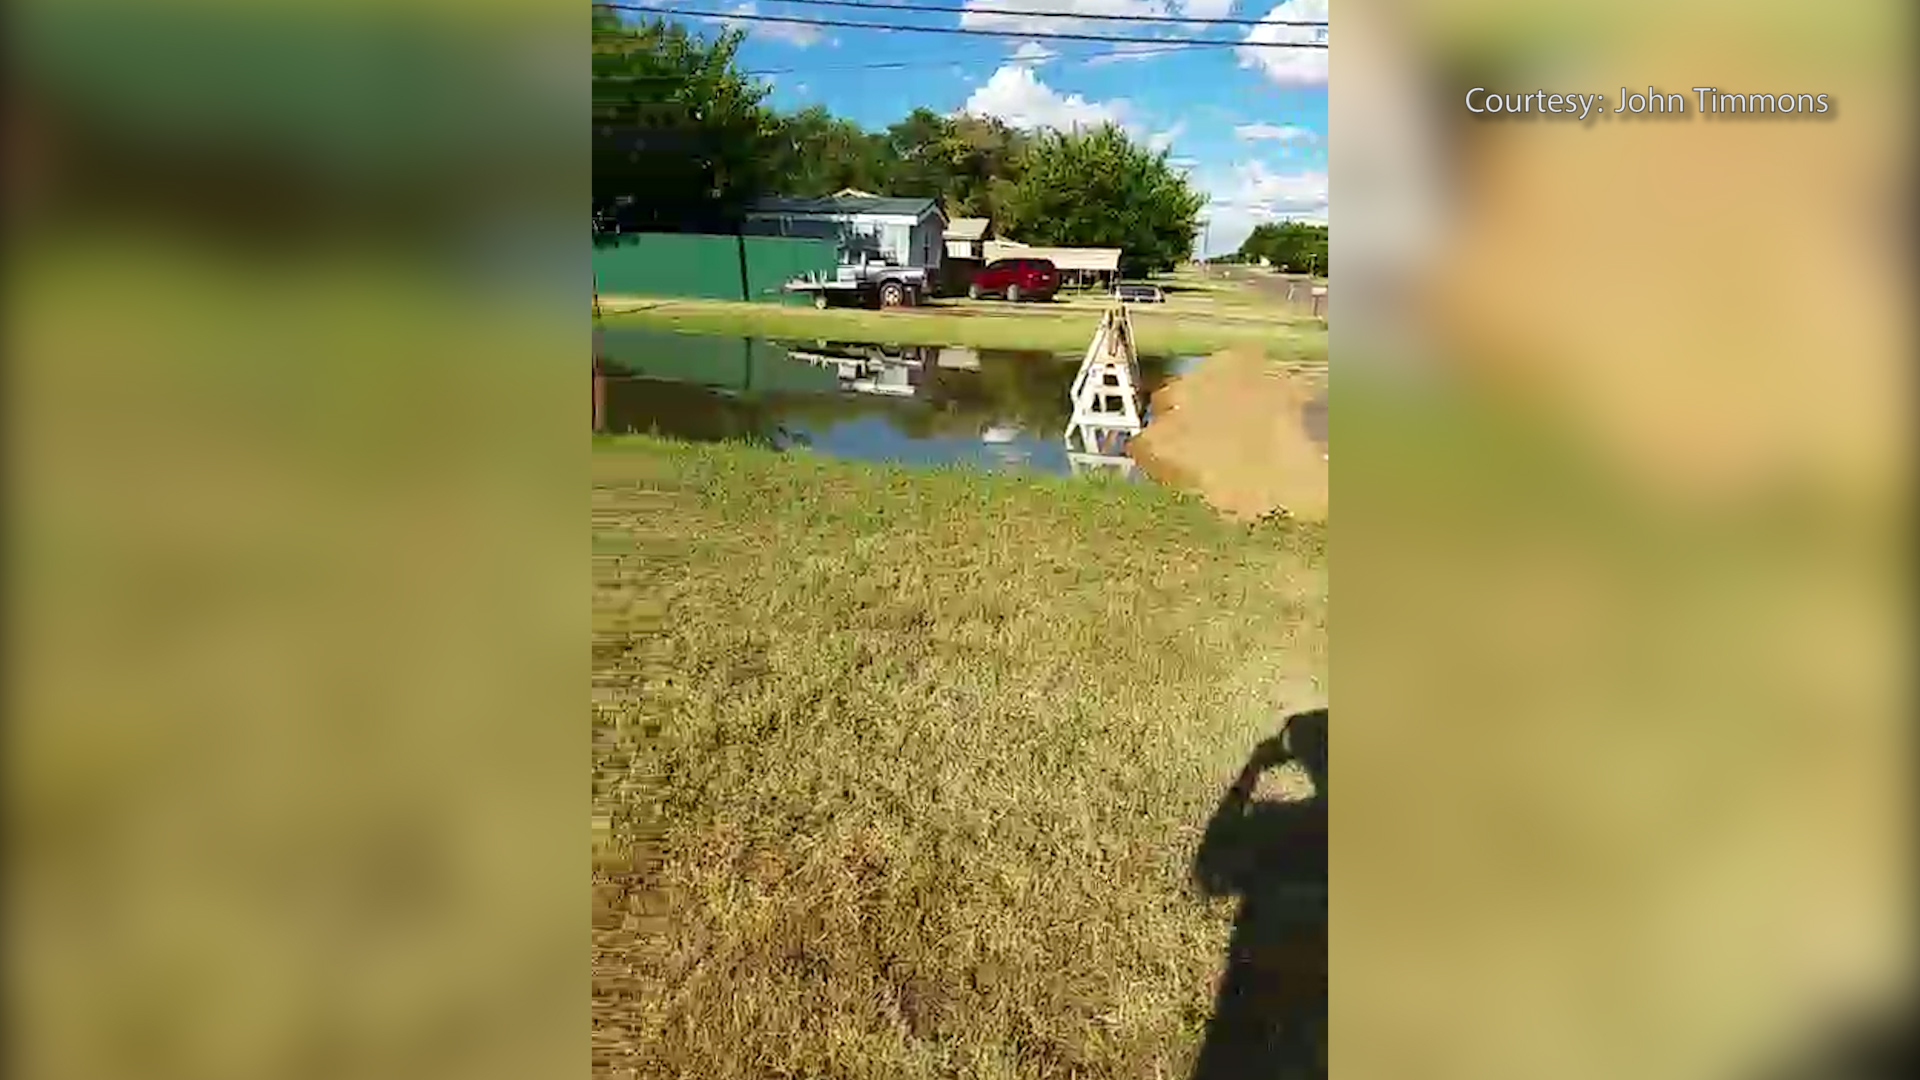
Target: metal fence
(704, 266)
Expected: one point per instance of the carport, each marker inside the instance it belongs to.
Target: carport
(1078, 266)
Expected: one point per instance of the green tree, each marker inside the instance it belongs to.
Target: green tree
(814, 153)
(1099, 188)
(680, 134)
(1295, 245)
(963, 161)
(986, 165)
(925, 154)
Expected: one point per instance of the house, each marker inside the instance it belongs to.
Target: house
(907, 231)
(1081, 266)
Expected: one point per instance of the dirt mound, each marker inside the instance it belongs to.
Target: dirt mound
(1236, 431)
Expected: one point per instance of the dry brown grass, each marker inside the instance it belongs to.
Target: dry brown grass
(1233, 431)
(900, 774)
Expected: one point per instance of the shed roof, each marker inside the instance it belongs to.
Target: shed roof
(839, 206)
(967, 228)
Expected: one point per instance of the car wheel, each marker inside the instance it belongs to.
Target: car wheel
(973, 292)
(1013, 294)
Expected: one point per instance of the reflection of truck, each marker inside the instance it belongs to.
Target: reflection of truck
(863, 352)
(869, 369)
(869, 282)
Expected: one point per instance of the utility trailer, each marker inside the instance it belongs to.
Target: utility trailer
(867, 283)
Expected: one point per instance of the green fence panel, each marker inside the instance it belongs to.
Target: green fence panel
(739, 365)
(702, 359)
(708, 267)
(772, 261)
(691, 266)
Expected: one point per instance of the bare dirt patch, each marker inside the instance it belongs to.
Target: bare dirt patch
(1238, 430)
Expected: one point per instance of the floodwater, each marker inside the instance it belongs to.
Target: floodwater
(912, 404)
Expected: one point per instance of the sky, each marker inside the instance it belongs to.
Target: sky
(1248, 124)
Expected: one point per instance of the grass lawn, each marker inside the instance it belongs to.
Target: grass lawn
(1058, 327)
(900, 774)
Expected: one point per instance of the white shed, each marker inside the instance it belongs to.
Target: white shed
(965, 235)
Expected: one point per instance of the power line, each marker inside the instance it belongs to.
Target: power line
(967, 31)
(873, 5)
(907, 65)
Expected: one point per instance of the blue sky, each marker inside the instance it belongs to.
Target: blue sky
(1249, 124)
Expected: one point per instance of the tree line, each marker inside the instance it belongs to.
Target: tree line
(1297, 246)
(683, 139)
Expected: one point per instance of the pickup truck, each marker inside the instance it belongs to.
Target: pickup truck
(869, 282)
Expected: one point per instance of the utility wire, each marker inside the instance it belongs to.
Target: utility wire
(967, 31)
(907, 65)
(873, 5)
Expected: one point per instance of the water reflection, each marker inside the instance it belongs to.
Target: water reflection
(999, 409)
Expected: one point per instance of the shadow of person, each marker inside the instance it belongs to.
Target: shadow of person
(1270, 1013)
(1876, 1045)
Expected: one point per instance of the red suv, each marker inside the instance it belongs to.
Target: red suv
(1016, 279)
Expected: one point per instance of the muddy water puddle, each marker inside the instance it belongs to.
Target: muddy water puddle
(905, 404)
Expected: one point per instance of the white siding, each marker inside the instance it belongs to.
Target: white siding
(895, 236)
(896, 240)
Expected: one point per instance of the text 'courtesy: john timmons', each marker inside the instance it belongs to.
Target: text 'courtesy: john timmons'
(1710, 102)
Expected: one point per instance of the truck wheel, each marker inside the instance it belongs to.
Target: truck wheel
(892, 294)
(820, 300)
(1013, 294)
(973, 292)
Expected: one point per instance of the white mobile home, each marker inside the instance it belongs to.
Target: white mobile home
(910, 232)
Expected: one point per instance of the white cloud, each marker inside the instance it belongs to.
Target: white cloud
(1077, 17)
(1252, 194)
(1014, 94)
(1032, 54)
(1286, 133)
(1042, 16)
(1200, 11)
(1289, 67)
(1063, 17)
(1129, 52)
(1163, 140)
(1206, 9)
(795, 34)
